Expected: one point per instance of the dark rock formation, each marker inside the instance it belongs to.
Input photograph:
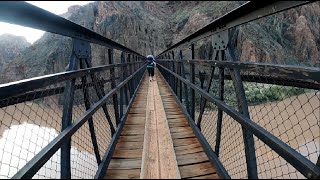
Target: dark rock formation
(11, 47)
(149, 27)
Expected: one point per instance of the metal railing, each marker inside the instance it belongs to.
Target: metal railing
(254, 120)
(51, 139)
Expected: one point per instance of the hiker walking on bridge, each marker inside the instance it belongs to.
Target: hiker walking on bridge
(150, 66)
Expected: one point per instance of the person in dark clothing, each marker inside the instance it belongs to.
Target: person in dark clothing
(151, 64)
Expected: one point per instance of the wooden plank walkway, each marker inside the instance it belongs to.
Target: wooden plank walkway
(145, 151)
(127, 158)
(192, 160)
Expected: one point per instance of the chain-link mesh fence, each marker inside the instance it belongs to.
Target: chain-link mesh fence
(279, 105)
(30, 121)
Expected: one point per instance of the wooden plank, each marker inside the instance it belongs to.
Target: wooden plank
(136, 116)
(135, 121)
(129, 145)
(132, 131)
(192, 158)
(180, 148)
(169, 103)
(150, 157)
(168, 162)
(141, 119)
(166, 101)
(180, 135)
(208, 176)
(125, 164)
(172, 125)
(181, 129)
(131, 138)
(138, 111)
(123, 174)
(177, 120)
(186, 141)
(181, 118)
(134, 126)
(196, 169)
(171, 107)
(140, 106)
(173, 113)
(126, 153)
(189, 151)
(176, 116)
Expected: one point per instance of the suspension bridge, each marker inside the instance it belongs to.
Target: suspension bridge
(199, 119)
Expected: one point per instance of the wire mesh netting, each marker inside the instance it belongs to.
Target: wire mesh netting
(289, 113)
(271, 165)
(284, 107)
(27, 127)
(232, 154)
(209, 123)
(30, 121)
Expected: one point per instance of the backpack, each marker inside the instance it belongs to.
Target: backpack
(150, 64)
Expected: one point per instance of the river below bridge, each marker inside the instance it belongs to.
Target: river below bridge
(22, 136)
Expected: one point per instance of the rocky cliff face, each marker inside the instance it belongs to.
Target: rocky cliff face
(291, 37)
(11, 47)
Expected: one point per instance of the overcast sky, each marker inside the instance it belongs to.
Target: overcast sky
(56, 7)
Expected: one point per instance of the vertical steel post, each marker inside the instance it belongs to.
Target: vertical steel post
(113, 85)
(186, 94)
(203, 101)
(169, 77)
(243, 109)
(67, 117)
(122, 91)
(100, 93)
(90, 121)
(220, 112)
(174, 79)
(129, 70)
(127, 87)
(192, 70)
(134, 79)
(202, 76)
(180, 82)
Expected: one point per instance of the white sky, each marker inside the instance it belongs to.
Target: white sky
(56, 7)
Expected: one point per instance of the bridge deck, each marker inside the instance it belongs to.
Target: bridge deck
(187, 153)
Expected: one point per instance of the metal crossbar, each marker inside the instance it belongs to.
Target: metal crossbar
(25, 14)
(101, 96)
(247, 12)
(41, 158)
(256, 120)
(302, 164)
(240, 116)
